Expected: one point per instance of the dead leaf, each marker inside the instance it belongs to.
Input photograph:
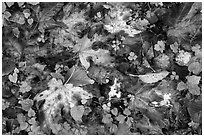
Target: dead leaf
(188, 23)
(59, 97)
(45, 16)
(99, 57)
(7, 66)
(152, 77)
(78, 77)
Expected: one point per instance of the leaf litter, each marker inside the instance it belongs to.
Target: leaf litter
(101, 68)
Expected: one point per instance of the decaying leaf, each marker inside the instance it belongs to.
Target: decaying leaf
(188, 23)
(116, 21)
(59, 97)
(152, 77)
(45, 17)
(12, 47)
(8, 66)
(100, 56)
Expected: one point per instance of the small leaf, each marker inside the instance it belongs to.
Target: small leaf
(181, 86)
(129, 121)
(16, 32)
(126, 112)
(107, 119)
(32, 121)
(30, 21)
(114, 111)
(194, 89)
(24, 87)
(14, 77)
(18, 18)
(77, 113)
(26, 104)
(160, 46)
(21, 118)
(195, 67)
(26, 13)
(193, 80)
(121, 118)
(23, 126)
(113, 128)
(31, 112)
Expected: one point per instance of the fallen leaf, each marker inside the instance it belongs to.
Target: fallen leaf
(58, 97)
(99, 57)
(78, 77)
(45, 16)
(188, 23)
(7, 66)
(152, 77)
(77, 113)
(14, 77)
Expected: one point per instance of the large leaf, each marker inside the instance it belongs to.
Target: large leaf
(177, 13)
(188, 23)
(147, 95)
(78, 77)
(100, 56)
(45, 17)
(57, 98)
(50, 10)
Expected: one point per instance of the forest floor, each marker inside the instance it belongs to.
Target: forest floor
(101, 68)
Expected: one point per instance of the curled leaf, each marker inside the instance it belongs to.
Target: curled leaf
(152, 77)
